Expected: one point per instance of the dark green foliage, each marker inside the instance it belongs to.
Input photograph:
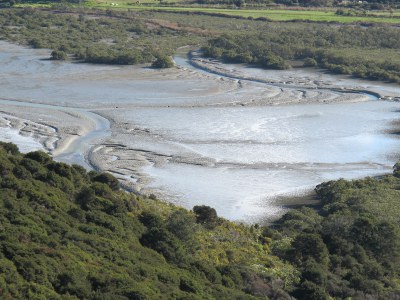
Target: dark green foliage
(39, 156)
(396, 169)
(210, 272)
(59, 55)
(66, 233)
(123, 39)
(163, 62)
(350, 249)
(272, 61)
(69, 234)
(310, 62)
(107, 179)
(311, 291)
(10, 148)
(371, 53)
(309, 245)
(188, 286)
(162, 241)
(206, 216)
(182, 225)
(151, 220)
(61, 169)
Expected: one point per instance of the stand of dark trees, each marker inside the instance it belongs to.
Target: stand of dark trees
(371, 52)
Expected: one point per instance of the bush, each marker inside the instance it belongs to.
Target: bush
(39, 156)
(182, 225)
(164, 242)
(396, 169)
(9, 148)
(307, 246)
(310, 62)
(108, 179)
(206, 216)
(163, 62)
(189, 286)
(58, 55)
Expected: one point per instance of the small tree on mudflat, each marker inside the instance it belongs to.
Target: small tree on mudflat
(58, 55)
(163, 62)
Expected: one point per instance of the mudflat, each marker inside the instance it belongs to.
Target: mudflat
(229, 136)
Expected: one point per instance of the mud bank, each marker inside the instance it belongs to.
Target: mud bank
(193, 137)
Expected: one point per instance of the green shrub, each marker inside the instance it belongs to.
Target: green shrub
(163, 62)
(58, 55)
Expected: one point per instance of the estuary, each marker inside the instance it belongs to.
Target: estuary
(192, 136)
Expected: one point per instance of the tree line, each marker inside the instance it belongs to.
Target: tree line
(365, 52)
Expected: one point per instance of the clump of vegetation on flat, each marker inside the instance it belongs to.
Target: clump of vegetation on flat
(370, 53)
(163, 62)
(152, 37)
(124, 40)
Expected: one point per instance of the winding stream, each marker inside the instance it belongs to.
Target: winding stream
(182, 61)
(76, 152)
(190, 136)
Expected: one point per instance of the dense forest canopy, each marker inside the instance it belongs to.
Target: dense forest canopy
(69, 234)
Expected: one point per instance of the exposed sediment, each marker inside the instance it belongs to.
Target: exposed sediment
(118, 93)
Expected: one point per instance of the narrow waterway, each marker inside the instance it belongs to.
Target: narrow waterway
(241, 159)
(77, 150)
(194, 137)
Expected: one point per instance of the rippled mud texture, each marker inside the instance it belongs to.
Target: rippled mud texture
(229, 140)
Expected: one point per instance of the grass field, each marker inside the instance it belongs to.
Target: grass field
(271, 14)
(274, 15)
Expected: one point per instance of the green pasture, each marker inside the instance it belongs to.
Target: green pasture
(392, 17)
(274, 15)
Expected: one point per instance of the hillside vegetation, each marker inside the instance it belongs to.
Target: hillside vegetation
(69, 234)
(351, 247)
